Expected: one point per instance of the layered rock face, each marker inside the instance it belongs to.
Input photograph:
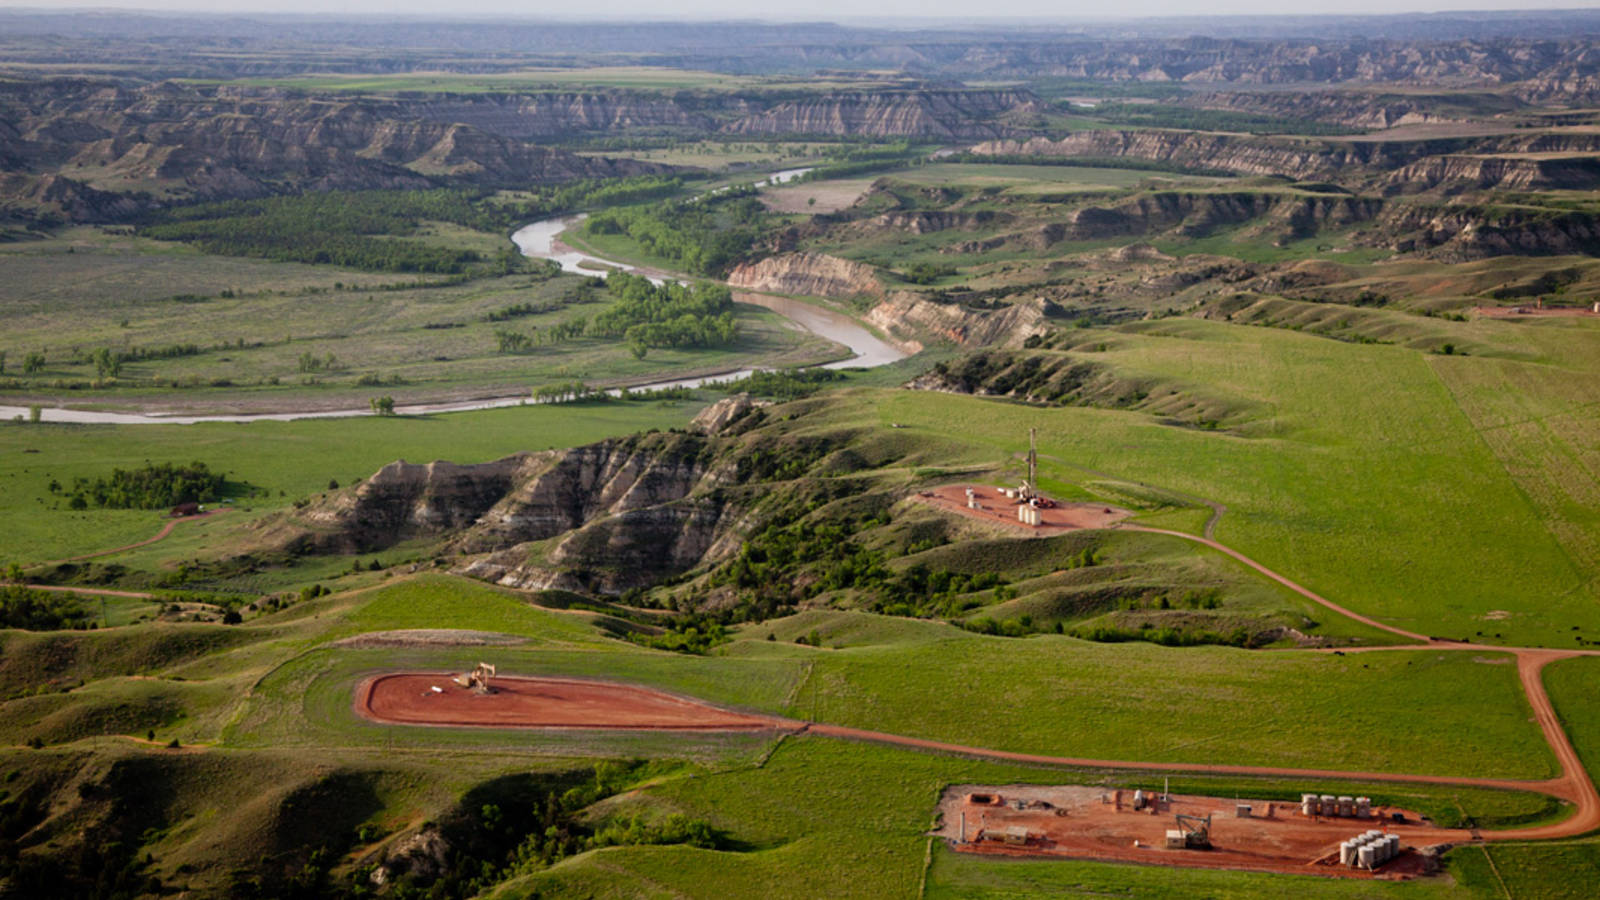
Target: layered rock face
(906, 314)
(809, 275)
(543, 116)
(937, 114)
(1347, 161)
(215, 143)
(620, 513)
(1350, 108)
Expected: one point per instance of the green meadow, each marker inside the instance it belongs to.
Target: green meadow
(285, 460)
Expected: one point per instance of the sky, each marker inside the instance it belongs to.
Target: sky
(815, 10)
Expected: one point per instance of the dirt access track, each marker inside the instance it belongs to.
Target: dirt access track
(434, 699)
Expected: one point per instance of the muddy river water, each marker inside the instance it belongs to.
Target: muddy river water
(541, 240)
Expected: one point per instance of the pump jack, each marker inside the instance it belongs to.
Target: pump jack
(1196, 831)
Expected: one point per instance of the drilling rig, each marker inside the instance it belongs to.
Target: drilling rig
(1029, 492)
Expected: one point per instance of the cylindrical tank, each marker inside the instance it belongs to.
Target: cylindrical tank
(1347, 806)
(1367, 856)
(1363, 807)
(1393, 841)
(1347, 853)
(1309, 805)
(1330, 805)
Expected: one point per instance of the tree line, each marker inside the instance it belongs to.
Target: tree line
(645, 316)
(345, 228)
(705, 235)
(151, 486)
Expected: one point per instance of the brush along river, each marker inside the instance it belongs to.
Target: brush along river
(541, 240)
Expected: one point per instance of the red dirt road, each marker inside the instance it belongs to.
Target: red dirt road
(160, 535)
(412, 699)
(562, 703)
(1297, 588)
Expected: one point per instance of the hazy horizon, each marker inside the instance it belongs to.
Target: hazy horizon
(881, 12)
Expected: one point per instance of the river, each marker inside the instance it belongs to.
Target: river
(539, 240)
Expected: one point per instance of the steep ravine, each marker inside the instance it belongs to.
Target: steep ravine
(617, 514)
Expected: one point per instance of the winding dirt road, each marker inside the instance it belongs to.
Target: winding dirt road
(1573, 785)
(160, 535)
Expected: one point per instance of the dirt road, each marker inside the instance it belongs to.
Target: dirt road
(160, 535)
(1574, 784)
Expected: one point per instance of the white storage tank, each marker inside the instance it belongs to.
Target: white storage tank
(1393, 841)
(1347, 806)
(1363, 807)
(1347, 853)
(1309, 805)
(1367, 856)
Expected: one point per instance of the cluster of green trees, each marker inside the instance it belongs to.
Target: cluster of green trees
(706, 236)
(152, 486)
(520, 824)
(857, 161)
(588, 193)
(36, 610)
(782, 566)
(507, 341)
(927, 273)
(695, 632)
(569, 392)
(650, 315)
(783, 384)
(346, 228)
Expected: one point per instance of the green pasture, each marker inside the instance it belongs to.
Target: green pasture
(286, 460)
(1571, 684)
(415, 342)
(832, 818)
(836, 818)
(1044, 694)
(1356, 474)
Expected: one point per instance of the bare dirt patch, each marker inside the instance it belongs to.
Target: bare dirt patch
(830, 196)
(434, 699)
(1101, 824)
(995, 507)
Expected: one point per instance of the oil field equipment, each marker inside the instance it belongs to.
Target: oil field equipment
(1369, 850)
(478, 679)
(1028, 493)
(1196, 832)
